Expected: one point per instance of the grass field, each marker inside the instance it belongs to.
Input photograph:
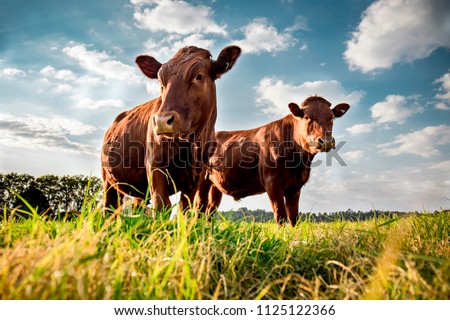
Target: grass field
(137, 257)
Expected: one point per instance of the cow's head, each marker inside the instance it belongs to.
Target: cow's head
(314, 123)
(188, 92)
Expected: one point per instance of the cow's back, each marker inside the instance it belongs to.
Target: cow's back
(246, 161)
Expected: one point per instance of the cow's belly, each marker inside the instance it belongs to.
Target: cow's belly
(238, 183)
(131, 181)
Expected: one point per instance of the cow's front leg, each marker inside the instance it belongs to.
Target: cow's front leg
(214, 199)
(159, 191)
(277, 200)
(208, 197)
(187, 200)
(292, 208)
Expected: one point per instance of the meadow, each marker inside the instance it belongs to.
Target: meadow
(93, 256)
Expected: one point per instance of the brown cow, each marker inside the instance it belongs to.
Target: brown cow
(162, 143)
(275, 158)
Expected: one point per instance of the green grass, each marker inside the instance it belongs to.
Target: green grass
(139, 257)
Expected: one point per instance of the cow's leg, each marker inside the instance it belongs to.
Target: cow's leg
(201, 197)
(139, 202)
(214, 199)
(159, 191)
(292, 208)
(208, 197)
(187, 200)
(113, 197)
(277, 201)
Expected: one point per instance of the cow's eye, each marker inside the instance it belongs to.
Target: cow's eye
(199, 77)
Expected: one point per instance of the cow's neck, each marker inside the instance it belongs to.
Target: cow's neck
(292, 135)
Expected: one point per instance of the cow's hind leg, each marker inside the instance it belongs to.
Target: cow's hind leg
(113, 197)
(208, 197)
(187, 201)
(277, 201)
(214, 199)
(292, 208)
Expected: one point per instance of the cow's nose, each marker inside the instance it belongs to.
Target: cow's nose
(325, 144)
(163, 123)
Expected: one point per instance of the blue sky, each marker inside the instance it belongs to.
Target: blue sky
(67, 69)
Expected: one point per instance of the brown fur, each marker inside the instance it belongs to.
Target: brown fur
(274, 158)
(138, 157)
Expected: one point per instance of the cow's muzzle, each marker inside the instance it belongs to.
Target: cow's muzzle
(325, 144)
(165, 124)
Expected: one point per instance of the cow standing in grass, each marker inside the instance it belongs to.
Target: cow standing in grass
(275, 158)
(162, 144)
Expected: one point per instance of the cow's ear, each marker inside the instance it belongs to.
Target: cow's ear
(225, 61)
(296, 111)
(149, 66)
(340, 109)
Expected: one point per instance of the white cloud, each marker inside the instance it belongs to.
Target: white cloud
(91, 81)
(162, 50)
(395, 108)
(423, 143)
(56, 80)
(62, 88)
(443, 165)
(64, 81)
(59, 78)
(61, 124)
(300, 23)
(141, 2)
(165, 48)
(353, 156)
(12, 72)
(357, 187)
(121, 24)
(361, 128)
(64, 74)
(444, 90)
(176, 17)
(274, 95)
(102, 64)
(262, 36)
(90, 104)
(442, 106)
(397, 188)
(153, 88)
(195, 39)
(52, 133)
(392, 31)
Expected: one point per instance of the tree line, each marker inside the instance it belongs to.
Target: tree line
(50, 194)
(261, 215)
(64, 195)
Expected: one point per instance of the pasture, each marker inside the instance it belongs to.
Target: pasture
(138, 257)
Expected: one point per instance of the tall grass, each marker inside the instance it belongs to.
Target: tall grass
(140, 257)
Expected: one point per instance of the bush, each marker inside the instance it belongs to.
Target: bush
(51, 194)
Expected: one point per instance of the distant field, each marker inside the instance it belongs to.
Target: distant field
(137, 257)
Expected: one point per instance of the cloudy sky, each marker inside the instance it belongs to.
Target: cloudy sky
(67, 69)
